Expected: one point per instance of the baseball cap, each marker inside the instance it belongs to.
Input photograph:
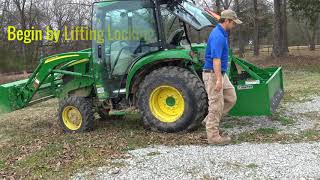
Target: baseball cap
(229, 14)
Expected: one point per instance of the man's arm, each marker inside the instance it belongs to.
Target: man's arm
(217, 72)
(216, 45)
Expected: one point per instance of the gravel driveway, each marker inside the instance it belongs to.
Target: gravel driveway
(304, 115)
(242, 161)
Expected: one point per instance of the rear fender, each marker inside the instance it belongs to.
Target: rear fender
(180, 56)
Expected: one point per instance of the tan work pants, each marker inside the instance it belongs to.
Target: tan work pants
(219, 102)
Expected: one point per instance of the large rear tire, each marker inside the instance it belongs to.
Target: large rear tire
(76, 114)
(172, 99)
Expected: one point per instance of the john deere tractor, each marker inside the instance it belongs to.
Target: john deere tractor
(141, 56)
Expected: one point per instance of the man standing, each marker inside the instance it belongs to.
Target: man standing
(221, 93)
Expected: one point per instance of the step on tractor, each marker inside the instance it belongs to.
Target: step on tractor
(141, 56)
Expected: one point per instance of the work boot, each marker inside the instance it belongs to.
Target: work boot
(219, 140)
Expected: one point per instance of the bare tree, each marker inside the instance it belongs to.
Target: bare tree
(307, 12)
(4, 6)
(218, 6)
(241, 42)
(27, 14)
(284, 27)
(256, 28)
(280, 46)
(226, 3)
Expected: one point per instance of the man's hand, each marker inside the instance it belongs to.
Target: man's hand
(218, 86)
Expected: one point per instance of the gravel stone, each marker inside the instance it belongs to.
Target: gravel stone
(297, 111)
(305, 107)
(243, 161)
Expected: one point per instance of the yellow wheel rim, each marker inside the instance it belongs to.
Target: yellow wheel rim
(166, 104)
(72, 118)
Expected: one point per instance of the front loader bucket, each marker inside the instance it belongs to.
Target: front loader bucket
(259, 90)
(9, 100)
(4, 100)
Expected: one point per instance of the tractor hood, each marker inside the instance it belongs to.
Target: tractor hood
(188, 12)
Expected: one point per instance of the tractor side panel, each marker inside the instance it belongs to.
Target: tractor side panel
(81, 86)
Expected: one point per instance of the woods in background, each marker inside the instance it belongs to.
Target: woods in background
(278, 23)
(39, 14)
(308, 14)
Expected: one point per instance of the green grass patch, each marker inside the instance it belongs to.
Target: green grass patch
(233, 123)
(299, 85)
(285, 121)
(252, 166)
(153, 153)
(228, 125)
(311, 133)
(263, 135)
(267, 131)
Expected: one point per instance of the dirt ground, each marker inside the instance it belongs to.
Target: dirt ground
(5, 78)
(297, 60)
(33, 146)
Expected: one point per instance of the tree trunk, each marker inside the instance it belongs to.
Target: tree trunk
(241, 42)
(284, 27)
(276, 49)
(312, 40)
(256, 28)
(280, 45)
(226, 4)
(218, 7)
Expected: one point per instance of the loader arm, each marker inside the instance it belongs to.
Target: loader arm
(47, 75)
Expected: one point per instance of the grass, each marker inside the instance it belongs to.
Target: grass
(301, 72)
(270, 136)
(262, 135)
(153, 153)
(301, 85)
(227, 125)
(311, 134)
(32, 145)
(252, 166)
(267, 131)
(232, 123)
(285, 121)
(37, 147)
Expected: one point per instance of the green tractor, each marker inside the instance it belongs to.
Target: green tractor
(141, 56)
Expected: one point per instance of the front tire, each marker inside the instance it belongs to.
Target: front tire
(172, 99)
(76, 114)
